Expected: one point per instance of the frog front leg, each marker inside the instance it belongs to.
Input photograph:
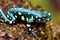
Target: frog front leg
(31, 30)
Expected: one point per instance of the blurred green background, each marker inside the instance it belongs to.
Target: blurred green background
(46, 5)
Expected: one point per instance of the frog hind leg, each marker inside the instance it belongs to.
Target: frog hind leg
(30, 29)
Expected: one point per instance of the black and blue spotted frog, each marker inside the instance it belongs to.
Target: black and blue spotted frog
(26, 15)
